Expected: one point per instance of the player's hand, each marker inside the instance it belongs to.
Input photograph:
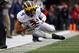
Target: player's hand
(34, 21)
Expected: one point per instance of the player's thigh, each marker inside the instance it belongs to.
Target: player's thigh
(47, 27)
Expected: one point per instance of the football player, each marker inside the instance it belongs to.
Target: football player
(31, 18)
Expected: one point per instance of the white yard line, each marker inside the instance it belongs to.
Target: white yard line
(28, 45)
(18, 40)
(21, 40)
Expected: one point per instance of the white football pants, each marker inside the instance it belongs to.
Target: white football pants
(42, 29)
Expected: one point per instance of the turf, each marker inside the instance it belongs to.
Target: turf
(70, 45)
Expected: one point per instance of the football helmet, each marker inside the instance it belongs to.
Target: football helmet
(29, 8)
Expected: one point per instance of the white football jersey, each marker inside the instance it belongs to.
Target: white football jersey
(24, 18)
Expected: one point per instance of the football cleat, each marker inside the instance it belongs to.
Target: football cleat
(55, 36)
(36, 39)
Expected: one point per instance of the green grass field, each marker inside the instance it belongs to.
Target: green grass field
(70, 45)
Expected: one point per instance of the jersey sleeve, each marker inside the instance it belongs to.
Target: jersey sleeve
(40, 14)
(20, 16)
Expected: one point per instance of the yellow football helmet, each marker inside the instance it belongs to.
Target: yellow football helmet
(29, 8)
(28, 5)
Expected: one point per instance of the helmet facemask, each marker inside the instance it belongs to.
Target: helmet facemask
(30, 12)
